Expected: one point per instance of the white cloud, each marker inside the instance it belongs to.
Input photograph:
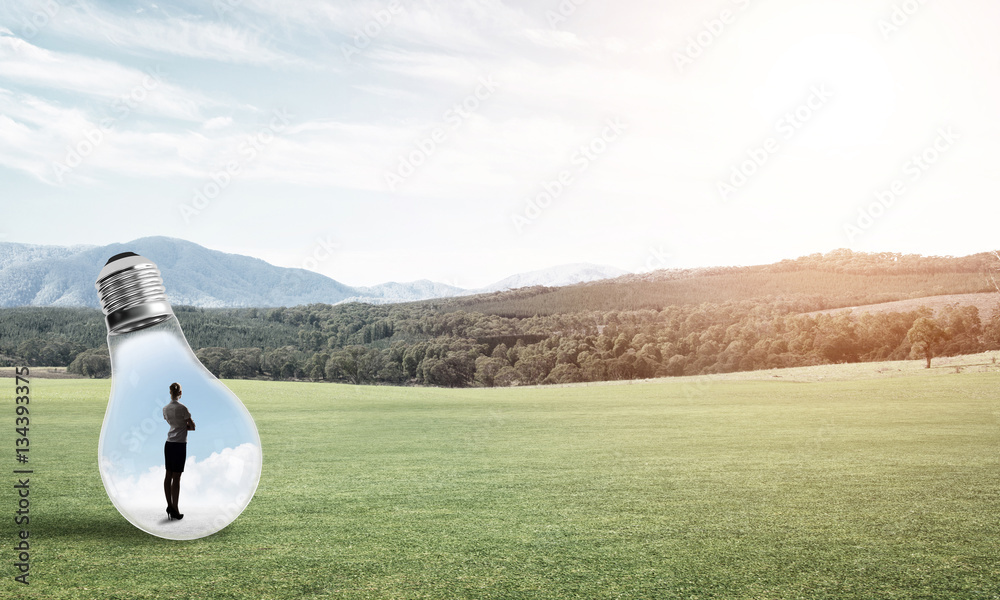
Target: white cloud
(28, 126)
(431, 67)
(478, 27)
(217, 123)
(554, 38)
(214, 491)
(212, 482)
(491, 150)
(38, 133)
(39, 137)
(298, 13)
(616, 45)
(189, 36)
(556, 88)
(25, 64)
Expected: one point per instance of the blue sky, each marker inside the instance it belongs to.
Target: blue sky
(466, 141)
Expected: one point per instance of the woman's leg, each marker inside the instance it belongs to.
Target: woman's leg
(175, 490)
(167, 488)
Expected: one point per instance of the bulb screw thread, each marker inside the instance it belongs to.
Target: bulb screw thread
(132, 294)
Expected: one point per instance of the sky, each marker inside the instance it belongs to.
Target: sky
(463, 142)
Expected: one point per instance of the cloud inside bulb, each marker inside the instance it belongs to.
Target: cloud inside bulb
(212, 483)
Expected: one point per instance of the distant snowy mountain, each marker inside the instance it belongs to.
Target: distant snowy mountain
(553, 277)
(387, 293)
(13, 254)
(33, 275)
(192, 274)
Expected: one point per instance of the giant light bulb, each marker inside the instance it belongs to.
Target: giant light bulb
(148, 353)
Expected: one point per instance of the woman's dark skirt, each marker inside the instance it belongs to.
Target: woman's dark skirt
(174, 455)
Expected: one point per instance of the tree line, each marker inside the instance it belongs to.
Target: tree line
(663, 324)
(413, 344)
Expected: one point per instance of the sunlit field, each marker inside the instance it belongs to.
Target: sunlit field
(862, 487)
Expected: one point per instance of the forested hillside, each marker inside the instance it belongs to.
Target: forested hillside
(686, 323)
(841, 278)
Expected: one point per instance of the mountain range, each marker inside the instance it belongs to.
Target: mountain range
(35, 275)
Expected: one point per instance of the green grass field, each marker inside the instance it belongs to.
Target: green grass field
(858, 488)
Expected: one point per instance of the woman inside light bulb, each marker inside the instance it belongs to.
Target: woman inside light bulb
(175, 449)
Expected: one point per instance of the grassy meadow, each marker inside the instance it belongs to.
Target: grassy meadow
(814, 486)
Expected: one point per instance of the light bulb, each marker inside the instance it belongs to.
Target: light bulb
(148, 354)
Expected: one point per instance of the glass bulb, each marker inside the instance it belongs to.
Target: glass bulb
(148, 354)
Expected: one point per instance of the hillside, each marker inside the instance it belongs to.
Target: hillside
(554, 277)
(63, 276)
(835, 280)
(664, 324)
(193, 275)
(986, 303)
